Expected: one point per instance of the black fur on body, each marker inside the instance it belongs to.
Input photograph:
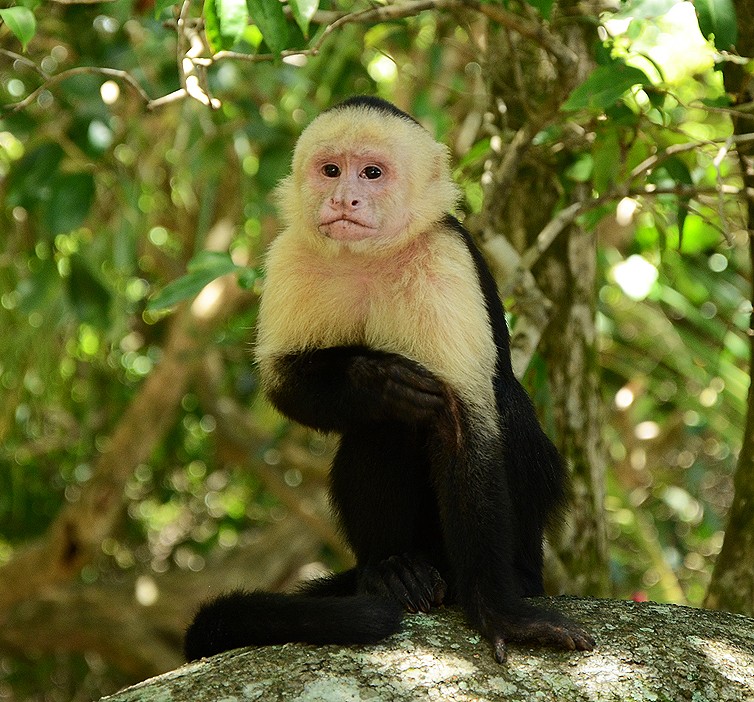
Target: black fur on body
(436, 508)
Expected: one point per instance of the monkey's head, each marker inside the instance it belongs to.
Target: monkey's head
(366, 175)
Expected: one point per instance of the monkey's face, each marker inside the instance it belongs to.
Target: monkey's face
(358, 195)
(365, 181)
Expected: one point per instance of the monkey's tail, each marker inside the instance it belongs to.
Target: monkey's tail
(242, 618)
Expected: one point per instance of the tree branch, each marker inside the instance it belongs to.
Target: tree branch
(192, 66)
(75, 536)
(52, 80)
(659, 158)
(143, 638)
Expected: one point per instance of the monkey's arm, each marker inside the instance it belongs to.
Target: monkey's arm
(333, 388)
(482, 526)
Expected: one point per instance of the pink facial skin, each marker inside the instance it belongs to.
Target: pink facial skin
(357, 192)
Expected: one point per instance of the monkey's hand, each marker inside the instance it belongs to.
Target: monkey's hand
(410, 580)
(395, 387)
(332, 388)
(530, 625)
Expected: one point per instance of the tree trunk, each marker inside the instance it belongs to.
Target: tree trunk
(732, 584)
(524, 193)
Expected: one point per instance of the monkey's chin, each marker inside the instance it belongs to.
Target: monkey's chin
(347, 230)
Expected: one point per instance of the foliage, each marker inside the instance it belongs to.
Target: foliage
(113, 182)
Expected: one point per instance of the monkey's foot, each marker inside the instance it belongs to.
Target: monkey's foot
(410, 580)
(533, 626)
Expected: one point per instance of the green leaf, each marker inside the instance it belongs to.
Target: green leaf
(225, 22)
(21, 22)
(72, 195)
(656, 98)
(544, 7)
(29, 181)
(621, 115)
(303, 11)
(38, 289)
(718, 101)
(698, 236)
(607, 160)
(604, 87)
(247, 277)
(681, 175)
(202, 270)
(644, 9)
(718, 18)
(217, 262)
(475, 155)
(591, 218)
(160, 6)
(212, 26)
(678, 171)
(268, 15)
(581, 169)
(89, 298)
(234, 18)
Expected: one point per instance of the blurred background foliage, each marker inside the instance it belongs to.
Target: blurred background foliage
(106, 202)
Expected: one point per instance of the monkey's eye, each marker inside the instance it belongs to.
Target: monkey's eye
(331, 170)
(372, 172)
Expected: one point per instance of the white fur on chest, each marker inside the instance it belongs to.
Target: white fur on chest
(423, 302)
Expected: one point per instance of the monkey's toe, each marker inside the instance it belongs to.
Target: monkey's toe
(533, 626)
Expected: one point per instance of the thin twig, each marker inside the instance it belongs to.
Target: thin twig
(550, 232)
(536, 31)
(192, 82)
(26, 61)
(717, 162)
(52, 80)
(569, 214)
(656, 159)
(722, 229)
(333, 21)
(183, 43)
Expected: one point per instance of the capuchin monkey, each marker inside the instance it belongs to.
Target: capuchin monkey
(380, 321)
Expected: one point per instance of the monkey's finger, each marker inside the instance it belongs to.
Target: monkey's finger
(412, 404)
(417, 395)
(415, 376)
(439, 590)
(433, 585)
(501, 653)
(398, 588)
(406, 583)
(582, 640)
(415, 583)
(561, 638)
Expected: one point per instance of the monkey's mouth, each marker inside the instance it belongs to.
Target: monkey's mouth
(345, 219)
(345, 228)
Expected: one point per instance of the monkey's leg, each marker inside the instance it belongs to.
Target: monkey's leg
(537, 484)
(476, 512)
(381, 491)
